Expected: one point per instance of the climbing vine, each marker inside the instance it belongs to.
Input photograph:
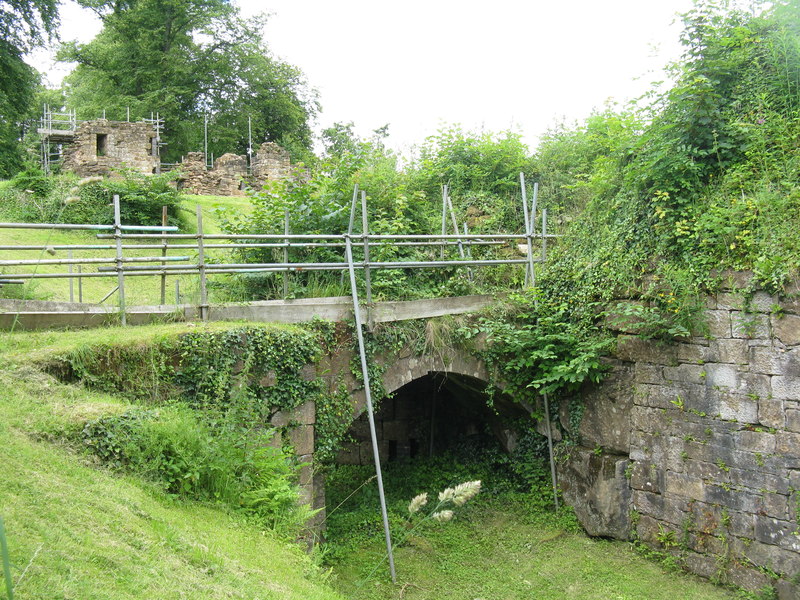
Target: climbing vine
(235, 377)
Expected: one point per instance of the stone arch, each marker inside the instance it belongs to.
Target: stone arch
(406, 369)
(470, 376)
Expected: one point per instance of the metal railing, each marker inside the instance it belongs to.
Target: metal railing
(193, 248)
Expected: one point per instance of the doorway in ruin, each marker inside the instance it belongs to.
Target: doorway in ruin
(431, 415)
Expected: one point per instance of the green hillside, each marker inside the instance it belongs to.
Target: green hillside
(139, 290)
(79, 531)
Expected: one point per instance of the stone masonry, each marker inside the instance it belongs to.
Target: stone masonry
(229, 175)
(297, 427)
(694, 448)
(100, 146)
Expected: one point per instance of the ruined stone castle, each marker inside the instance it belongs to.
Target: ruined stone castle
(102, 146)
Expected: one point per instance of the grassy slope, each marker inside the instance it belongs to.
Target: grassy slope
(76, 531)
(500, 549)
(139, 290)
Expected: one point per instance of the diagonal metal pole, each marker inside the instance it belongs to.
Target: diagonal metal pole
(368, 395)
(528, 232)
(455, 224)
(350, 225)
(550, 449)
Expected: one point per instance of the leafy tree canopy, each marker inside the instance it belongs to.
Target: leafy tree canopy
(24, 24)
(186, 59)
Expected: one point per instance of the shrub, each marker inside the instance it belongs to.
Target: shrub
(34, 197)
(32, 181)
(176, 449)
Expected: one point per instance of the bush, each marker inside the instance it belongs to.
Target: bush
(32, 181)
(174, 448)
(34, 197)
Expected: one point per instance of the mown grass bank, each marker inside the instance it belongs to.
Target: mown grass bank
(76, 530)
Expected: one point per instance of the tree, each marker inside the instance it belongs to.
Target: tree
(24, 24)
(186, 59)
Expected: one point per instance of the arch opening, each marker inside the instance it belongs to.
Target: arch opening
(431, 415)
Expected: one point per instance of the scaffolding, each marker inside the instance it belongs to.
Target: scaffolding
(158, 124)
(59, 128)
(56, 129)
(193, 261)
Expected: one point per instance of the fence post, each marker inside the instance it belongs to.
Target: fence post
(544, 235)
(365, 230)
(286, 253)
(120, 273)
(71, 281)
(529, 274)
(164, 253)
(468, 250)
(444, 220)
(201, 266)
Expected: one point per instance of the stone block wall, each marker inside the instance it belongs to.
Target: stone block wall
(698, 443)
(100, 146)
(230, 175)
(225, 179)
(270, 163)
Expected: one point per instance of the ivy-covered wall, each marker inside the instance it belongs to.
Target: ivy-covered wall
(302, 385)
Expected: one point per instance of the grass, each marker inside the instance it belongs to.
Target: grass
(78, 531)
(500, 549)
(503, 545)
(138, 290)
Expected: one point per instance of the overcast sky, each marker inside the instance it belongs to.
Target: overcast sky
(496, 64)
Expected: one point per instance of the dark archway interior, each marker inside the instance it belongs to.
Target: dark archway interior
(431, 415)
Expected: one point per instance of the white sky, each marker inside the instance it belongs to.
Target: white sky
(496, 64)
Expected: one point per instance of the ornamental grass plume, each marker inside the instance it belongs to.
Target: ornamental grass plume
(455, 496)
(464, 492)
(442, 516)
(418, 502)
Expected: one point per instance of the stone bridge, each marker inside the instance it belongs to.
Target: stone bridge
(37, 314)
(416, 387)
(692, 448)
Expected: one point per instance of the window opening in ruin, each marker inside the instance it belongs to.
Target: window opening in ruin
(102, 143)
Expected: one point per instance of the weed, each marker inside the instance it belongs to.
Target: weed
(666, 537)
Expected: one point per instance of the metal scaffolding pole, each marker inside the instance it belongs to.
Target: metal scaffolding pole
(286, 254)
(550, 451)
(529, 274)
(368, 396)
(120, 272)
(201, 266)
